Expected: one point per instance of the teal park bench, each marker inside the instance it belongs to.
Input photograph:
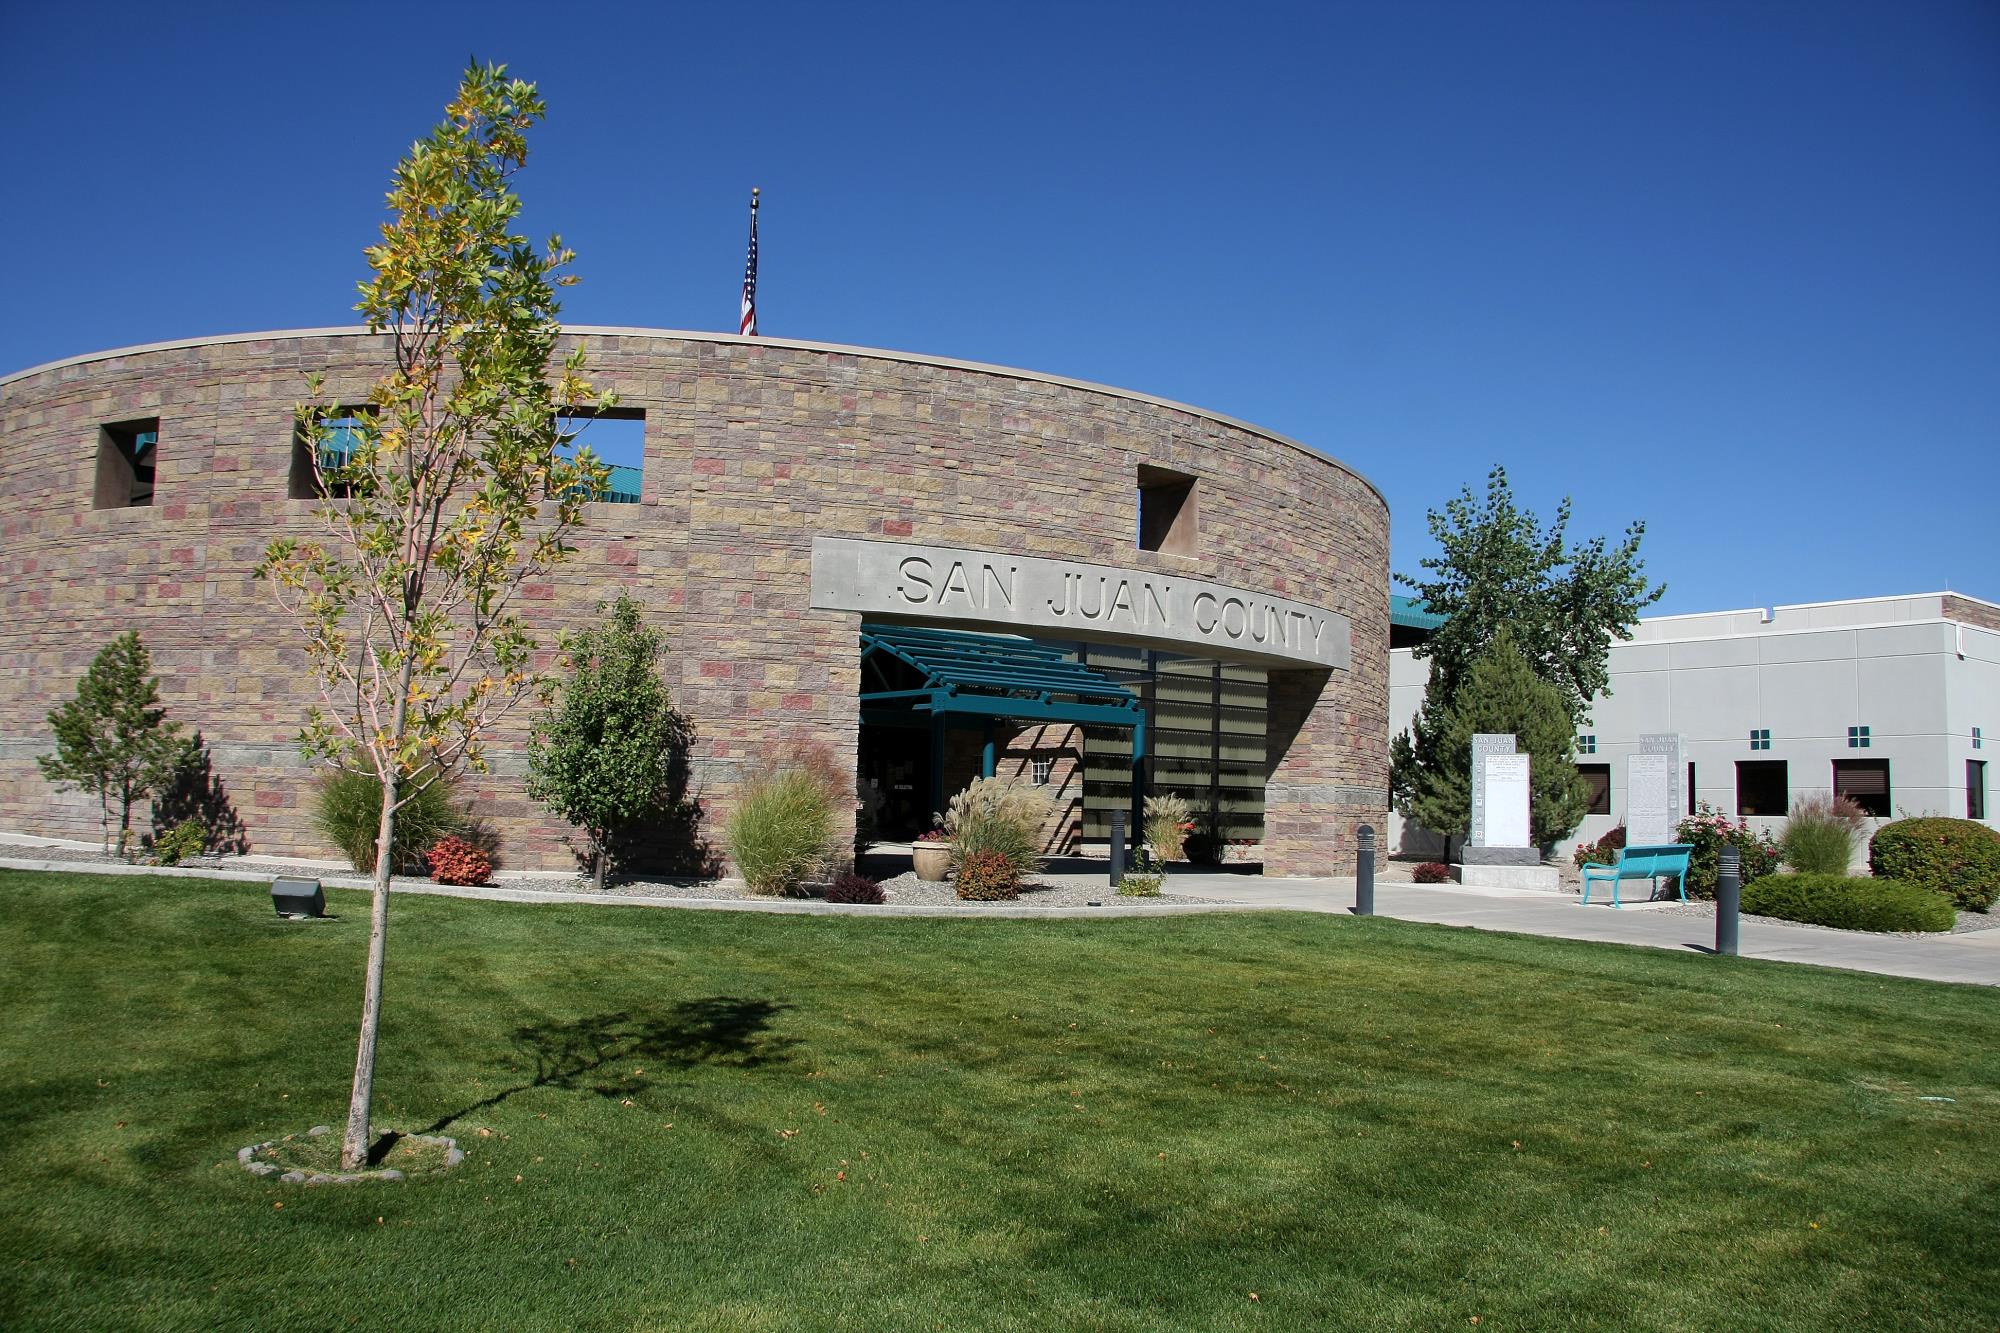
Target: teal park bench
(1641, 863)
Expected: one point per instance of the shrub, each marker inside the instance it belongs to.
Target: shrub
(782, 832)
(1168, 823)
(1603, 852)
(1958, 858)
(1708, 831)
(1141, 886)
(1821, 833)
(1851, 903)
(1431, 872)
(1204, 848)
(453, 860)
(177, 844)
(987, 876)
(347, 807)
(998, 815)
(851, 888)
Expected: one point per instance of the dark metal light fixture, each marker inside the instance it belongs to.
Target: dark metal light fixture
(297, 897)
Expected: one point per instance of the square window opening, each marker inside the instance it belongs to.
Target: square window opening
(1586, 745)
(1760, 739)
(617, 436)
(1598, 778)
(344, 426)
(1864, 782)
(127, 452)
(1763, 787)
(1857, 738)
(1167, 511)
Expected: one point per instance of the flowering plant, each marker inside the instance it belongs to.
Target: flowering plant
(934, 835)
(1708, 831)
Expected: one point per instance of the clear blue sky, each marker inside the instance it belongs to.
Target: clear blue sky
(1730, 267)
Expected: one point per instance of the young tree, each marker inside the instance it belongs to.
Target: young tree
(1498, 568)
(453, 488)
(113, 739)
(1500, 693)
(611, 750)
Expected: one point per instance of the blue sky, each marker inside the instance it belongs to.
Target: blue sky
(1733, 268)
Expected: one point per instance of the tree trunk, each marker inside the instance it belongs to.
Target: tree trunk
(354, 1146)
(125, 829)
(603, 855)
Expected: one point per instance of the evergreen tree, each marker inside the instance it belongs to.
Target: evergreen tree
(1500, 693)
(113, 739)
(611, 750)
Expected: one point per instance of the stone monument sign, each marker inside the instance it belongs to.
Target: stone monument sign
(1499, 804)
(1653, 791)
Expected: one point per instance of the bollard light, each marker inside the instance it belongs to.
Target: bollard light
(1117, 848)
(1364, 872)
(297, 897)
(1728, 898)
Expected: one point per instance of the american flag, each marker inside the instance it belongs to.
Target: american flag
(748, 324)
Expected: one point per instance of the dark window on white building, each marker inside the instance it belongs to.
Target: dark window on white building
(1598, 778)
(1762, 787)
(1975, 789)
(1864, 782)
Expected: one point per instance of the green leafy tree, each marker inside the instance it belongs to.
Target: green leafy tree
(454, 488)
(1500, 693)
(113, 739)
(610, 752)
(1498, 568)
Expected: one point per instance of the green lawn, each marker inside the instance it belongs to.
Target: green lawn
(721, 1120)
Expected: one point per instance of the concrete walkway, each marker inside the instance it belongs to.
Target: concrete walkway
(1972, 958)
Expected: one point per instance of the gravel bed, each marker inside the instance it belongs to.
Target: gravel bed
(906, 888)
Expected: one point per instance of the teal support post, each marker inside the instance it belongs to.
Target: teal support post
(937, 767)
(987, 756)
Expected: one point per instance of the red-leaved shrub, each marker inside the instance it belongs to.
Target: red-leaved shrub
(453, 860)
(855, 889)
(985, 877)
(1432, 872)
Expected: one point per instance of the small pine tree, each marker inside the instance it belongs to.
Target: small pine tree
(113, 739)
(1501, 693)
(611, 751)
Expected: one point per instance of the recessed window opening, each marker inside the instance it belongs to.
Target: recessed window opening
(1975, 789)
(1586, 744)
(617, 436)
(1167, 511)
(1864, 782)
(1763, 787)
(1598, 778)
(126, 454)
(1857, 738)
(1760, 739)
(344, 426)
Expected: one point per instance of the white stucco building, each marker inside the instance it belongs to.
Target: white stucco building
(1890, 700)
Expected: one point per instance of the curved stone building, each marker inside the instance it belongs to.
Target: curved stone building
(776, 497)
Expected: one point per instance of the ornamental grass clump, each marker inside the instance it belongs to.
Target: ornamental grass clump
(1002, 816)
(1821, 834)
(782, 833)
(1168, 823)
(1958, 859)
(1848, 902)
(347, 807)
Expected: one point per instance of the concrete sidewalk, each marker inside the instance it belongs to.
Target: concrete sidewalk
(1973, 957)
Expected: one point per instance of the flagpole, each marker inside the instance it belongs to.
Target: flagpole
(747, 317)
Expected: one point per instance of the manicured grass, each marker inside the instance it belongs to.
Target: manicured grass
(719, 1120)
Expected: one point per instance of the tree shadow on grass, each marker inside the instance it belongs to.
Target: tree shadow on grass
(621, 1054)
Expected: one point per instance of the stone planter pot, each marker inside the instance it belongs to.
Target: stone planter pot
(930, 860)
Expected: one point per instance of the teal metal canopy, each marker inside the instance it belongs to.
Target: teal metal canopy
(1411, 613)
(908, 668)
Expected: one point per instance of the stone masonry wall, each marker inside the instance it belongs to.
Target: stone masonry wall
(753, 447)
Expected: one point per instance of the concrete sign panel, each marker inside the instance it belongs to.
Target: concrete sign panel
(1649, 800)
(1020, 592)
(1484, 743)
(1506, 800)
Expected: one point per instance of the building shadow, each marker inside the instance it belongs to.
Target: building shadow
(198, 792)
(622, 1054)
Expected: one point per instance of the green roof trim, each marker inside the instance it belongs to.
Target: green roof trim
(1410, 613)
